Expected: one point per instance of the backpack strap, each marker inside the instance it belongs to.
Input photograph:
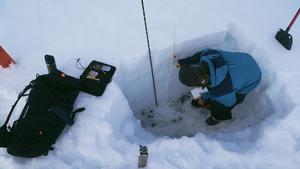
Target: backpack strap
(64, 115)
(81, 109)
(21, 94)
(5, 131)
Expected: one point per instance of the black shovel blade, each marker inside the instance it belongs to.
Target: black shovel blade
(284, 38)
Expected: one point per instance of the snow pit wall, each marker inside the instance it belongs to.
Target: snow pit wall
(261, 103)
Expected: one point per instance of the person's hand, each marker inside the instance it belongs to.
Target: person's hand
(201, 102)
(194, 103)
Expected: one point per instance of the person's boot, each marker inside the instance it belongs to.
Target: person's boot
(212, 121)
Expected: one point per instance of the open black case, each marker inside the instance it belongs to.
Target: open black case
(96, 76)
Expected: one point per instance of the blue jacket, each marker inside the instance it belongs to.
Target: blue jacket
(231, 73)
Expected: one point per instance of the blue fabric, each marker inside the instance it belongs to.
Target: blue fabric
(230, 73)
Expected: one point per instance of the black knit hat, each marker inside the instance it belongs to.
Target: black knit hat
(190, 75)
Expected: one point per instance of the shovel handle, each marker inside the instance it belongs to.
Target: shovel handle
(293, 20)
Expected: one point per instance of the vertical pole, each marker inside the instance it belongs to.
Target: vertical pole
(149, 52)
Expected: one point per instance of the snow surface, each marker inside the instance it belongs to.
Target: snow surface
(264, 132)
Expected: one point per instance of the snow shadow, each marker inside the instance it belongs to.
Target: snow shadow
(174, 116)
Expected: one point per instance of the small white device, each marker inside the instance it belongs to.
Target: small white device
(196, 92)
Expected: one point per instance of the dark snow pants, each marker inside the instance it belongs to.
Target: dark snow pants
(221, 112)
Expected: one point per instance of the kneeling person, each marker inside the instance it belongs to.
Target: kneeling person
(228, 76)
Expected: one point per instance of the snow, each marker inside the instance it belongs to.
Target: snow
(264, 132)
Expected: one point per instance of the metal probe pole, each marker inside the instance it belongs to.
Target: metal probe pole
(149, 51)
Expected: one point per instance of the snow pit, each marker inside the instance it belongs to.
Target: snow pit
(175, 117)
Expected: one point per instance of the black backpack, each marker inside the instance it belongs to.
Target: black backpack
(49, 107)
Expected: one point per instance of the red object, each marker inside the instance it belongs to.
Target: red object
(5, 59)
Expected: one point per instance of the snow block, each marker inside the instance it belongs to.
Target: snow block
(5, 59)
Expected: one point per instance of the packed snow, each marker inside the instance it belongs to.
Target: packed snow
(264, 132)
